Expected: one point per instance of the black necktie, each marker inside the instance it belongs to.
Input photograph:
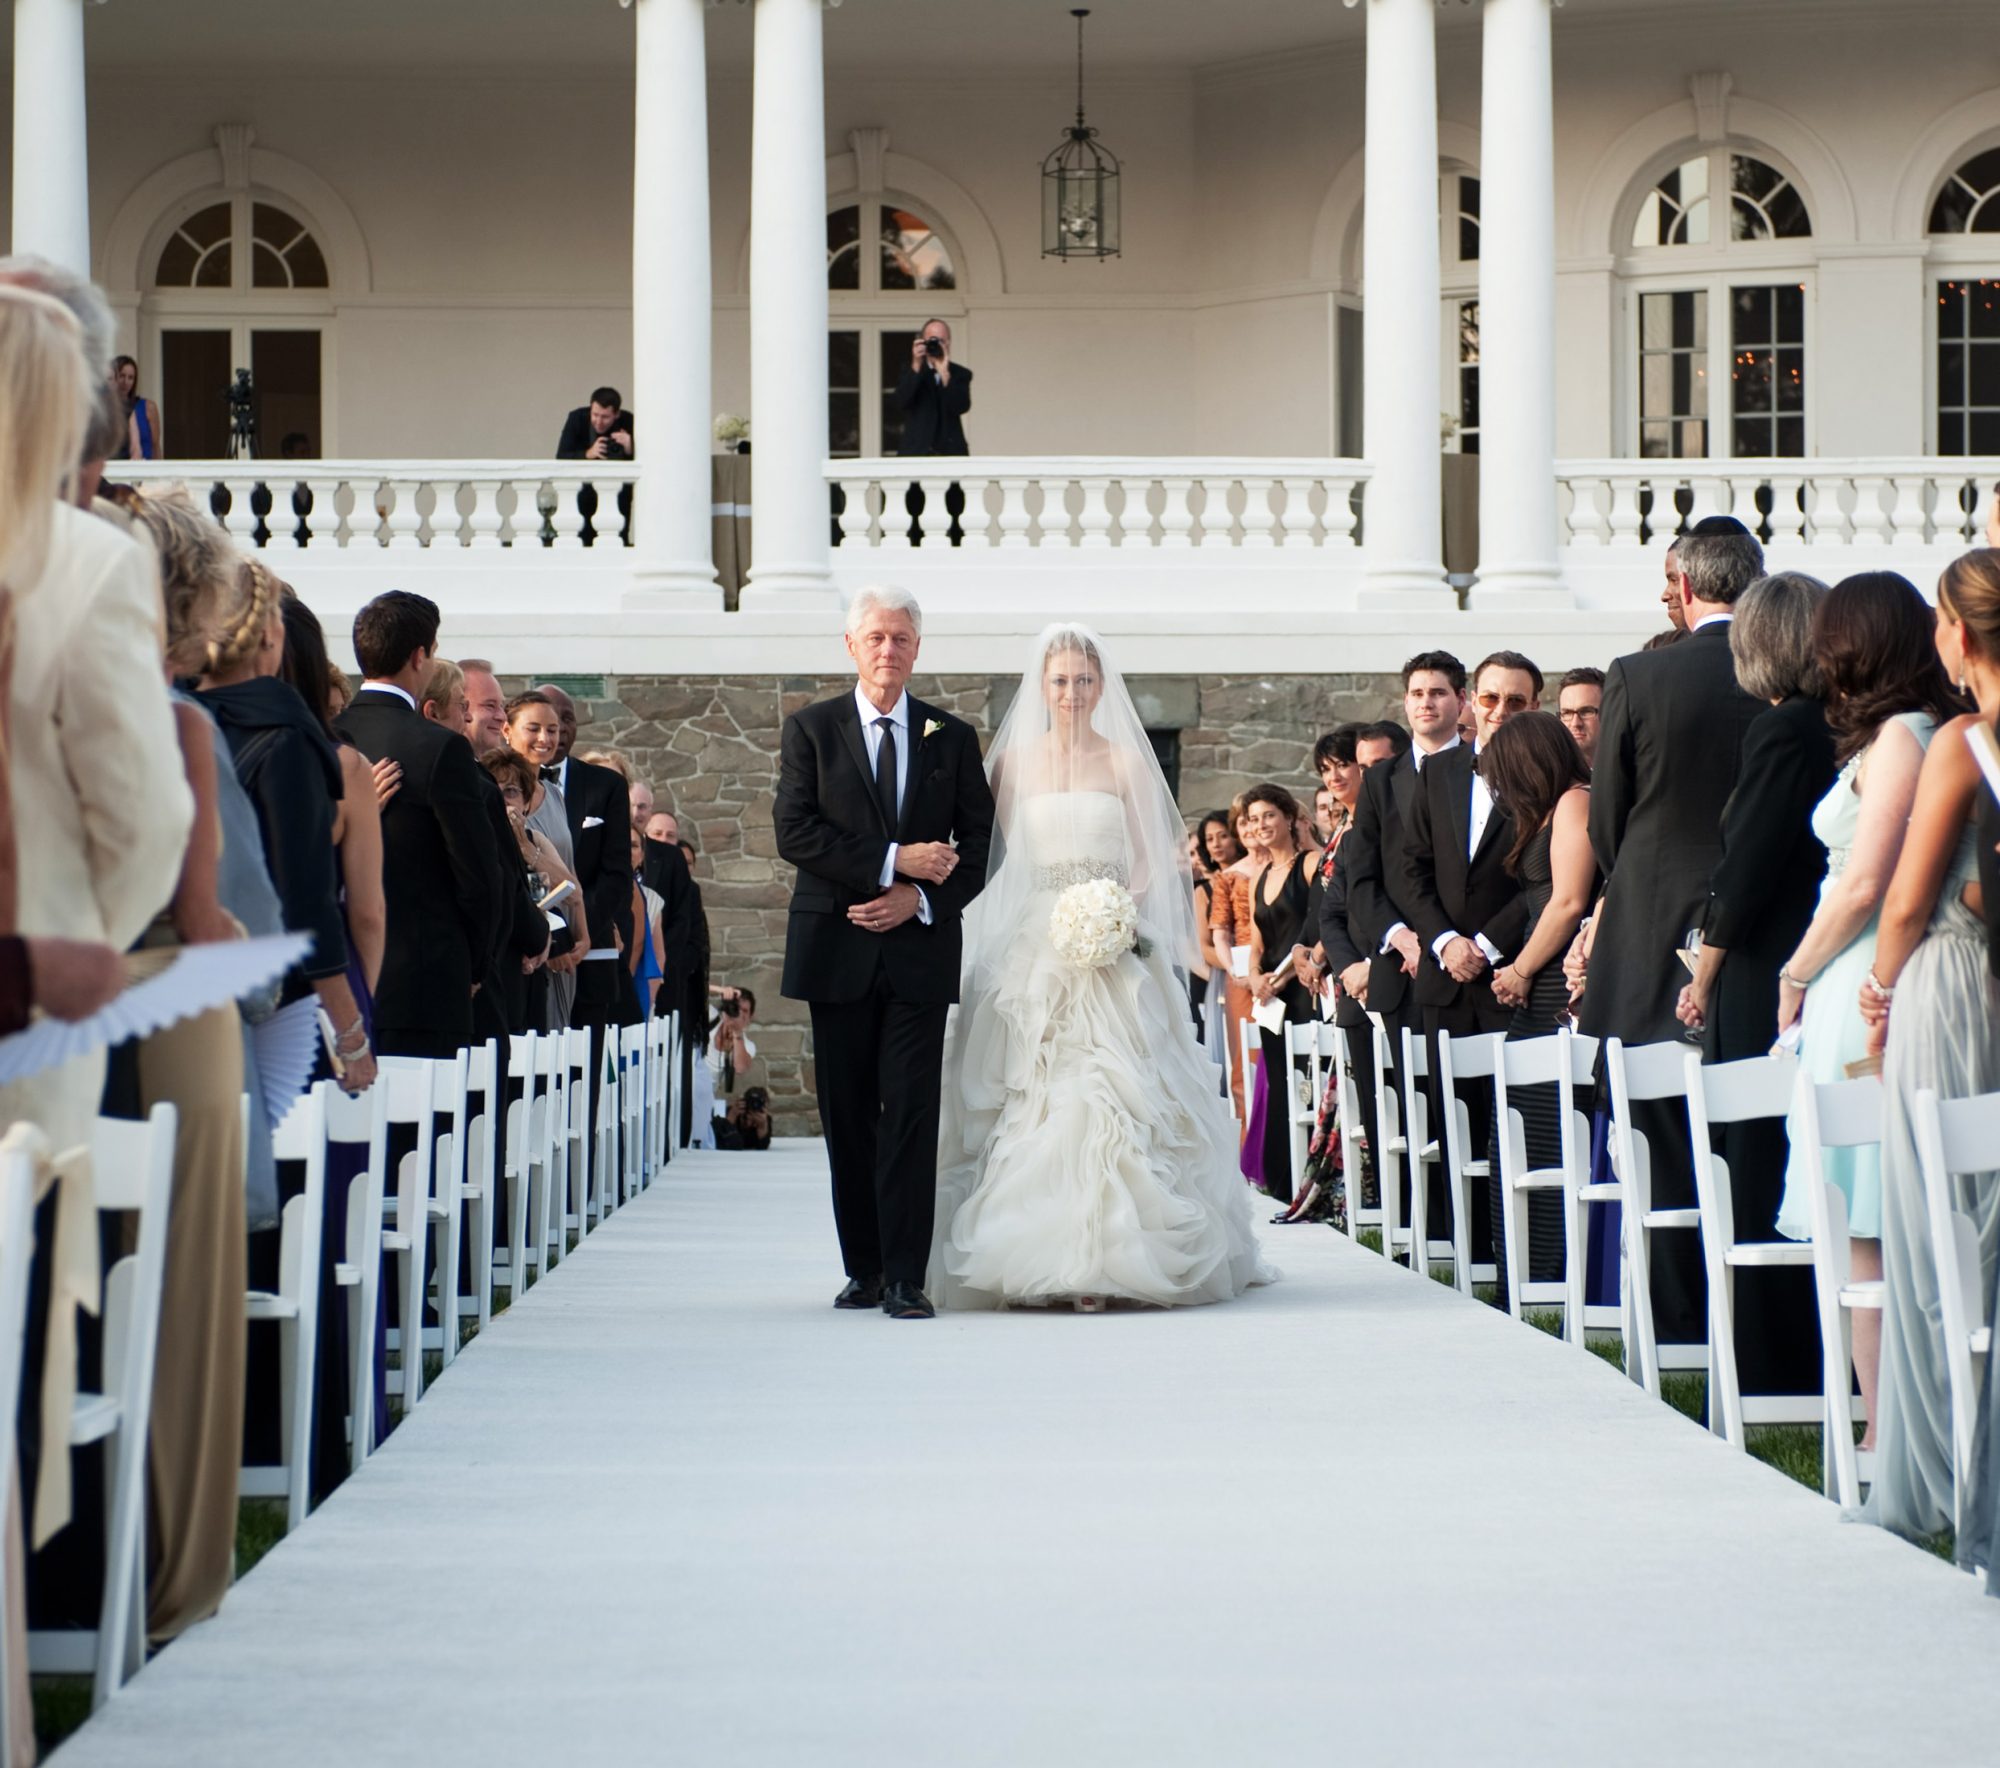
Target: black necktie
(553, 774)
(885, 770)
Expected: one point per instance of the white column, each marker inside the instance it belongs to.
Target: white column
(51, 136)
(790, 546)
(671, 304)
(1518, 563)
(1402, 396)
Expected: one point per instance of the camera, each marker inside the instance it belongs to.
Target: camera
(732, 1006)
(756, 1099)
(934, 348)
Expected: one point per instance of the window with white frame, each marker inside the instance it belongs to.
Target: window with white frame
(885, 265)
(1966, 285)
(1458, 211)
(1718, 288)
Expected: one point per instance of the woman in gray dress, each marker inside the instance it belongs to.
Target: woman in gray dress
(1934, 1014)
(535, 731)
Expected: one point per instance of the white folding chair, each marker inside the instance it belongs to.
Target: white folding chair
(1475, 1058)
(605, 1121)
(1423, 1149)
(1566, 1062)
(1645, 1072)
(361, 1121)
(1389, 1158)
(294, 1306)
(659, 1045)
(1958, 1140)
(451, 1173)
(17, 1253)
(1720, 1093)
(1347, 1106)
(411, 1090)
(484, 1199)
(132, 1171)
(577, 1128)
(1837, 1114)
(670, 1131)
(631, 1110)
(511, 1206)
(1311, 1043)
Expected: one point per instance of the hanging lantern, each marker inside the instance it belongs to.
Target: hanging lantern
(1080, 184)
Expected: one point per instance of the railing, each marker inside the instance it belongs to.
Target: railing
(526, 506)
(1918, 502)
(1087, 504)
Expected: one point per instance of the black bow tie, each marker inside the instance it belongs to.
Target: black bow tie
(553, 774)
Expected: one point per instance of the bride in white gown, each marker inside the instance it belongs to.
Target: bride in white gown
(1087, 1154)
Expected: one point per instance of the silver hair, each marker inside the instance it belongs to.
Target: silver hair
(79, 294)
(873, 597)
(1771, 637)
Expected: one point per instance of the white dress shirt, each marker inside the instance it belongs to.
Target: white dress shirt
(1482, 813)
(871, 735)
(389, 687)
(1712, 620)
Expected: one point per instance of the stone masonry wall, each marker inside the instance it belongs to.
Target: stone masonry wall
(708, 746)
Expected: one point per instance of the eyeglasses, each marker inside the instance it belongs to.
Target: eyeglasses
(1513, 702)
(1578, 714)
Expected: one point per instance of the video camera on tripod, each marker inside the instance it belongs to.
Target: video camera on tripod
(242, 397)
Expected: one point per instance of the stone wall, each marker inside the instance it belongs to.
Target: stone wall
(709, 748)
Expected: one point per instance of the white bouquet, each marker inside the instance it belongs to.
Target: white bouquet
(1094, 923)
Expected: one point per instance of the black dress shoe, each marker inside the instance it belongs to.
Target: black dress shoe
(905, 1301)
(861, 1292)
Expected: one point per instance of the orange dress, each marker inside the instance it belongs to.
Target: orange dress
(1231, 911)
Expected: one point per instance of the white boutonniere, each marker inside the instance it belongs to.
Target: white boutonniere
(931, 728)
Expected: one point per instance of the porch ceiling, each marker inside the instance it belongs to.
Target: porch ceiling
(1031, 36)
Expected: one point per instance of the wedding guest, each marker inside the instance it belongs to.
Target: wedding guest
(93, 767)
(1580, 704)
(647, 970)
(145, 436)
(440, 875)
(485, 706)
(202, 1066)
(525, 989)
(1760, 901)
(1278, 897)
(1934, 1012)
(640, 796)
(694, 1002)
(1229, 932)
(442, 697)
(1377, 912)
(1467, 909)
(1541, 782)
(1217, 849)
(1669, 753)
(1886, 694)
(104, 424)
(1673, 597)
(534, 732)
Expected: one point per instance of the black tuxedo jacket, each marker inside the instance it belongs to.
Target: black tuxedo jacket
(577, 435)
(440, 874)
(1452, 888)
(1337, 936)
(599, 804)
(932, 415)
(665, 869)
(522, 932)
(1373, 852)
(1765, 887)
(831, 826)
(1669, 754)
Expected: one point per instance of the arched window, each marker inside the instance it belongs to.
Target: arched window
(238, 281)
(886, 263)
(1966, 285)
(1718, 308)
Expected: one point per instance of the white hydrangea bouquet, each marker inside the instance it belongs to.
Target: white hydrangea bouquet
(1095, 923)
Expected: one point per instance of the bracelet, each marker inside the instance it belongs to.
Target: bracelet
(1875, 986)
(1785, 976)
(359, 1030)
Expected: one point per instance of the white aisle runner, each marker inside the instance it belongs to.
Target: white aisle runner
(675, 1509)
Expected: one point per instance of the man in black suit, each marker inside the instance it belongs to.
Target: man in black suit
(1346, 964)
(883, 806)
(1466, 907)
(1669, 752)
(601, 430)
(599, 807)
(440, 875)
(1377, 916)
(934, 393)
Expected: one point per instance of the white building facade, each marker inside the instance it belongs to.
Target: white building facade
(1639, 256)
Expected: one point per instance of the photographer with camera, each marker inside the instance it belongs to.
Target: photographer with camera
(601, 430)
(727, 1056)
(748, 1123)
(934, 393)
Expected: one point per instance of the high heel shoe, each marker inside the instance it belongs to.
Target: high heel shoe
(1087, 1304)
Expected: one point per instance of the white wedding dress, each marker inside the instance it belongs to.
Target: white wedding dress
(1087, 1151)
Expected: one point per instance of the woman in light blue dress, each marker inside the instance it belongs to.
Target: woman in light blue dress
(1935, 1011)
(1874, 636)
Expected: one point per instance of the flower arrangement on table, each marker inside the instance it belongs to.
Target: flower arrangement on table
(1095, 923)
(730, 430)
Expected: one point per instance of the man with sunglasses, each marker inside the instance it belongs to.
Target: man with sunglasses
(1467, 909)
